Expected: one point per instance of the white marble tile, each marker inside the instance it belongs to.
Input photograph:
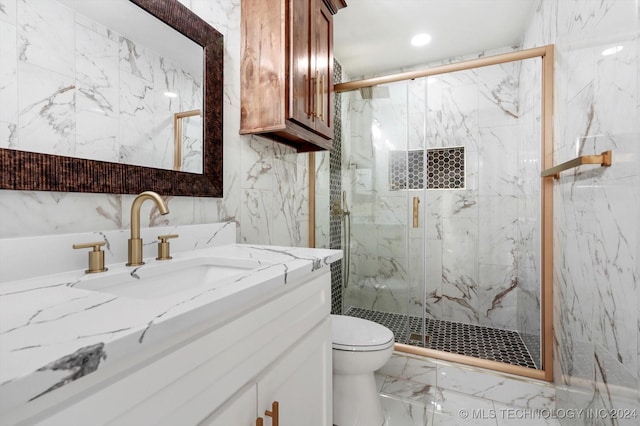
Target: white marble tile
(498, 95)
(498, 161)
(408, 390)
(457, 122)
(416, 128)
(508, 415)
(392, 241)
(97, 72)
(257, 206)
(136, 59)
(96, 137)
(399, 412)
(395, 366)
(391, 210)
(257, 166)
(46, 104)
(433, 213)
(136, 119)
(514, 392)
(46, 35)
(454, 406)
(433, 283)
(459, 203)
(591, 20)
(498, 232)
(498, 297)
(192, 145)
(291, 201)
(615, 266)
(8, 135)
(8, 9)
(8, 76)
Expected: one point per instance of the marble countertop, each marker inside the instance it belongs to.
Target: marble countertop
(52, 332)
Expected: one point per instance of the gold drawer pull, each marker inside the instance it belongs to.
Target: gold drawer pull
(273, 413)
(259, 421)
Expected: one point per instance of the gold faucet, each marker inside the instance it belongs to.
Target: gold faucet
(135, 242)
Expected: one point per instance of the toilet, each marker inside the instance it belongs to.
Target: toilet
(360, 347)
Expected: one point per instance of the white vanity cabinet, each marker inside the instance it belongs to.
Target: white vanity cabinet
(224, 373)
(297, 382)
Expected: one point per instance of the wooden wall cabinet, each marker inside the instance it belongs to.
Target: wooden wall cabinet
(287, 71)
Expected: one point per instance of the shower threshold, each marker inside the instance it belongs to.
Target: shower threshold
(471, 340)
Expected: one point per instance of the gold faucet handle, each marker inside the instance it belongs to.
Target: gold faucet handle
(96, 256)
(163, 246)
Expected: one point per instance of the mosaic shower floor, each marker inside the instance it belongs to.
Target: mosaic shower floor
(464, 339)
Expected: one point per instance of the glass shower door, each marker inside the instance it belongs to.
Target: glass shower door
(374, 161)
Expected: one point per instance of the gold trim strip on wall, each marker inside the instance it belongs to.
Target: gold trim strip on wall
(603, 160)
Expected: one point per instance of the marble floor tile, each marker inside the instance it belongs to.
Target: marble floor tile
(412, 394)
(507, 415)
(512, 391)
(399, 412)
(408, 390)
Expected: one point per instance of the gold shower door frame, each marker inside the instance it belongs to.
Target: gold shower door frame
(546, 303)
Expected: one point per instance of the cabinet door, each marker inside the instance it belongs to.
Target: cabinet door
(301, 63)
(300, 381)
(239, 411)
(323, 53)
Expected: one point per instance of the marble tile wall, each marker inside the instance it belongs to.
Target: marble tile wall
(596, 210)
(265, 184)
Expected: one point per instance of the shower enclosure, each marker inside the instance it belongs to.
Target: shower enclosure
(440, 176)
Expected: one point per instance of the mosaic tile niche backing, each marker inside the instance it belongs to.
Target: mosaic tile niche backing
(444, 169)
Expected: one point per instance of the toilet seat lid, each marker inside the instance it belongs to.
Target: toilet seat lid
(356, 334)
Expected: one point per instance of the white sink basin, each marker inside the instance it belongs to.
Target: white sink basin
(160, 279)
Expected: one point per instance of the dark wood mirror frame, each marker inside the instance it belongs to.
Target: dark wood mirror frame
(30, 171)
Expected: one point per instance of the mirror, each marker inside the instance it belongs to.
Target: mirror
(58, 171)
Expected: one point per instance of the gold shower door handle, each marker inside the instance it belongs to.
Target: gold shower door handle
(416, 212)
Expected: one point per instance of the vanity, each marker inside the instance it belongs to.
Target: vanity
(221, 334)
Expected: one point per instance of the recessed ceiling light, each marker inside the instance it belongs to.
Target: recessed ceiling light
(612, 50)
(171, 94)
(420, 39)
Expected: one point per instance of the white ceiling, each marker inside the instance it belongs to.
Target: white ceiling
(372, 37)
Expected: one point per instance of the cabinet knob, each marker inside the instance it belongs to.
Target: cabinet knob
(96, 256)
(273, 413)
